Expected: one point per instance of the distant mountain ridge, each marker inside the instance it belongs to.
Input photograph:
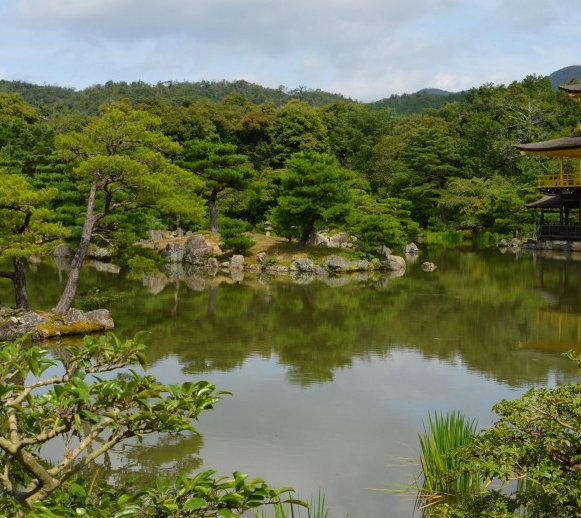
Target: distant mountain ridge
(406, 104)
(564, 75)
(435, 91)
(174, 93)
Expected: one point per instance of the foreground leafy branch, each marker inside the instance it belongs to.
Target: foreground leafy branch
(89, 398)
(532, 455)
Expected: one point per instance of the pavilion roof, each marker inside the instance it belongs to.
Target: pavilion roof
(549, 201)
(553, 201)
(560, 147)
(572, 90)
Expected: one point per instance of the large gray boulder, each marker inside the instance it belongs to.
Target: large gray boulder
(302, 265)
(237, 262)
(361, 265)
(337, 264)
(393, 263)
(156, 236)
(17, 323)
(340, 240)
(321, 240)
(197, 250)
(383, 251)
(173, 253)
(99, 317)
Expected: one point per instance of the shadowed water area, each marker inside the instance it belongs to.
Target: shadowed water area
(333, 380)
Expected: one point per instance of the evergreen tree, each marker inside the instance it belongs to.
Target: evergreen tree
(315, 189)
(220, 167)
(121, 159)
(384, 221)
(24, 228)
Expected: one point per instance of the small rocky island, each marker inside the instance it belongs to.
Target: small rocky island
(196, 251)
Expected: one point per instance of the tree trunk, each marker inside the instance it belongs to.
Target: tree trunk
(213, 212)
(19, 282)
(68, 295)
(307, 231)
(18, 278)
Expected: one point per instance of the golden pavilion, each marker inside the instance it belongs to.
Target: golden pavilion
(562, 190)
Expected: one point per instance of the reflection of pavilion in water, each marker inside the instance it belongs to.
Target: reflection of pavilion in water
(559, 282)
(562, 190)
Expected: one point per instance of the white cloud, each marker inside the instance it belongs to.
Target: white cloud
(365, 49)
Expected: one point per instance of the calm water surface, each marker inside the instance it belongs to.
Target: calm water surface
(332, 381)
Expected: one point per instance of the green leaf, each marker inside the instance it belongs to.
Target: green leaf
(162, 484)
(132, 510)
(296, 501)
(78, 491)
(78, 424)
(194, 503)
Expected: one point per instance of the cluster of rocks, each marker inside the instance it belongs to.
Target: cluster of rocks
(533, 244)
(194, 261)
(17, 323)
(196, 251)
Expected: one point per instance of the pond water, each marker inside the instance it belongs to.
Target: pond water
(332, 381)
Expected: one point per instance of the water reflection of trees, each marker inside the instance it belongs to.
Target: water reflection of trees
(480, 308)
(559, 282)
(156, 455)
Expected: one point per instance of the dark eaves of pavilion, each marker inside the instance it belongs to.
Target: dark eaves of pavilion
(562, 191)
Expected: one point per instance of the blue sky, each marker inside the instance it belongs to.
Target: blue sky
(363, 49)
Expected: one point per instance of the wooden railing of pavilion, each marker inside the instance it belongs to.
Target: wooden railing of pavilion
(570, 232)
(559, 180)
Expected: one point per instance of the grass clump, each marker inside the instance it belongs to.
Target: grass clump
(445, 434)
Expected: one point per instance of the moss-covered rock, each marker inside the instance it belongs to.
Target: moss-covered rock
(16, 323)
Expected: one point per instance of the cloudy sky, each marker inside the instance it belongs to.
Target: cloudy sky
(363, 49)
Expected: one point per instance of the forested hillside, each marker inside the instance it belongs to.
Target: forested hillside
(175, 93)
(407, 104)
(229, 156)
(172, 93)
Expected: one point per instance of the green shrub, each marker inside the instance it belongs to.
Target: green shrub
(233, 238)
